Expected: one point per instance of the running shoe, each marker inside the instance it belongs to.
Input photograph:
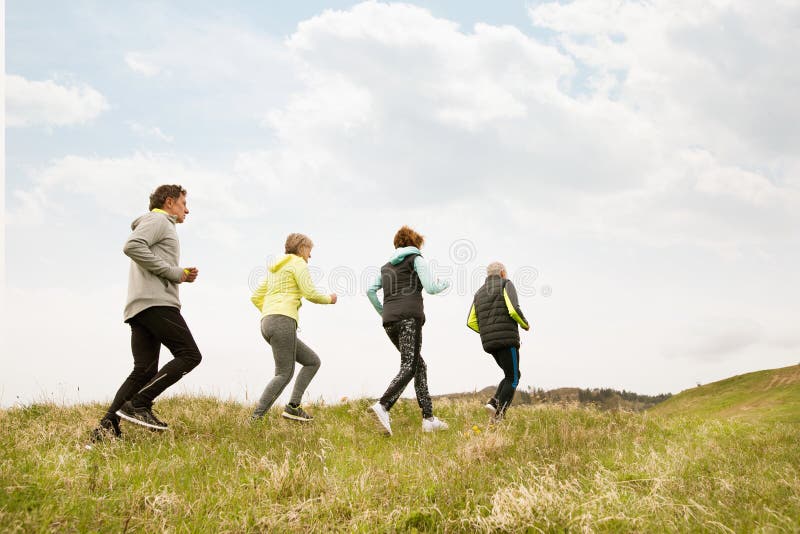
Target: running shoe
(432, 424)
(296, 413)
(140, 416)
(382, 416)
(108, 429)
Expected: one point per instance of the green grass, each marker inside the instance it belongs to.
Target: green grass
(772, 395)
(545, 469)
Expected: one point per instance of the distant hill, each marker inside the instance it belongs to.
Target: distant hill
(772, 395)
(603, 398)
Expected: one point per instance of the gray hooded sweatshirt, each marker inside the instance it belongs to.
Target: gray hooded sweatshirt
(154, 274)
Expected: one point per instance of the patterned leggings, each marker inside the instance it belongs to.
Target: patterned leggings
(406, 334)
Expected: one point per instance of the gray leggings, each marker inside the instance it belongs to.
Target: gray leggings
(280, 332)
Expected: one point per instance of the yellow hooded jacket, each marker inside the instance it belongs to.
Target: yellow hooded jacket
(286, 282)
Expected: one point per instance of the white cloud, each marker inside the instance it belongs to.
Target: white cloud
(119, 187)
(330, 102)
(154, 132)
(626, 129)
(395, 95)
(27, 208)
(396, 25)
(214, 52)
(713, 339)
(599, 135)
(138, 63)
(750, 187)
(222, 70)
(404, 56)
(34, 103)
(643, 124)
(718, 74)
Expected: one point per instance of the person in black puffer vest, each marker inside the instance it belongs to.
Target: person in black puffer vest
(495, 314)
(402, 279)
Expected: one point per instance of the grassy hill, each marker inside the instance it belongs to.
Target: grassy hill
(770, 395)
(546, 468)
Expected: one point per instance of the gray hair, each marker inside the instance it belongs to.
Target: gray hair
(495, 268)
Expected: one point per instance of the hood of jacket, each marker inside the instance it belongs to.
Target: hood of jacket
(282, 262)
(401, 253)
(139, 219)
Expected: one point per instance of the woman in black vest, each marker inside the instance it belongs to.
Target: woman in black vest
(496, 316)
(402, 280)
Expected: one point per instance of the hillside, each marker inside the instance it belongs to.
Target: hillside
(772, 395)
(547, 467)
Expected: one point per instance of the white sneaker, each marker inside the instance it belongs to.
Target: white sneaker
(432, 424)
(383, 417)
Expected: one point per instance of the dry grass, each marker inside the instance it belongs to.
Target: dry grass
(545, 469)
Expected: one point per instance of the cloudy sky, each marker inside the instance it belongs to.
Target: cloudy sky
(634, 164)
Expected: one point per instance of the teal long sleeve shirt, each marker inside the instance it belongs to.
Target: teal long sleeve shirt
(430, 283)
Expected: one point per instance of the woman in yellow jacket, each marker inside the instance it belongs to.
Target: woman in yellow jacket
(278, 300)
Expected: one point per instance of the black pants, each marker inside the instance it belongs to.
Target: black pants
(150, 329)
(406, 335)
(508, 360)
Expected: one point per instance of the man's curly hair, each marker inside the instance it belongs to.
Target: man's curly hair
(163, 192)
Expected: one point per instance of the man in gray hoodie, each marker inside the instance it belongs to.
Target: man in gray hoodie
(153, 312)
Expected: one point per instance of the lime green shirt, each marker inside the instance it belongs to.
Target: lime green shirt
(287, 281)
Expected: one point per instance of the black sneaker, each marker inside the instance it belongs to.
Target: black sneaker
(500, 414)
(107, 430)
(140, 416)
(157, 420)
(491, 406)
(296, 413)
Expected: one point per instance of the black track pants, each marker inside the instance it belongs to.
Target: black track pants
(508, 360)
(151, 328)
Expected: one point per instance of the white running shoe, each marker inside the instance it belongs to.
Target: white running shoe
(383, 417)
(432, 424)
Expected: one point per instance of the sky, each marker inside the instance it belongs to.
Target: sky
(634, 164)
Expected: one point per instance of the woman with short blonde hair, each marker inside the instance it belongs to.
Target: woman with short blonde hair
(278, 300)
(297, 242)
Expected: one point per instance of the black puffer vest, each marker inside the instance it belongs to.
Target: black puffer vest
(402, 291)
(498, 330)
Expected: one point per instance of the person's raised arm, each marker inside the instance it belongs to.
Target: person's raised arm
(307, 289)
(429, 282)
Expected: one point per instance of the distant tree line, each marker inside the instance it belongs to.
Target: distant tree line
(603, 398)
